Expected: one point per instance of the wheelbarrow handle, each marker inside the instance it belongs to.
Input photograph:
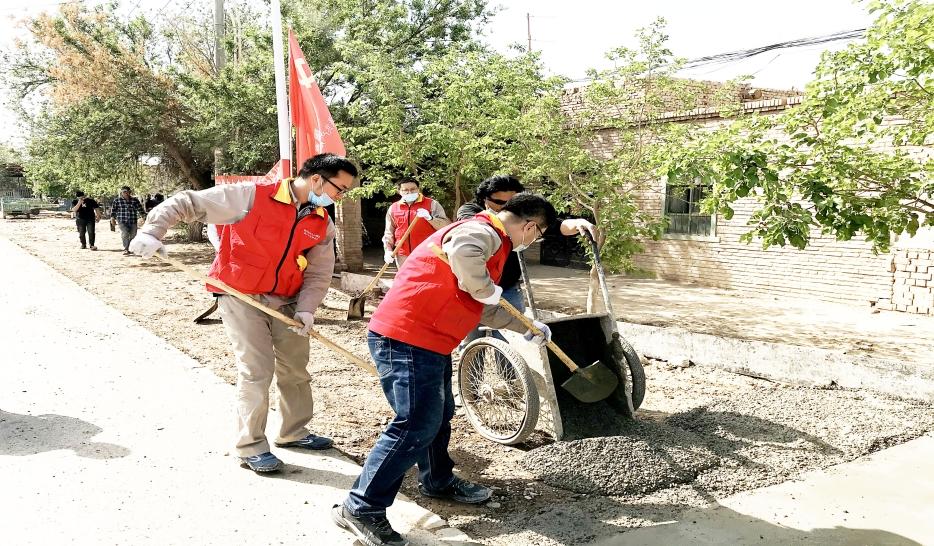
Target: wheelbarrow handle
(515, 312)
(600, 275)
(394, 252)
(271, 312)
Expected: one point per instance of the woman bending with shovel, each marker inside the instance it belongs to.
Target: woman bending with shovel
(276, 246)
(428, 311)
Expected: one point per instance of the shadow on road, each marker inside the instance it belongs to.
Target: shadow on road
(22, 435)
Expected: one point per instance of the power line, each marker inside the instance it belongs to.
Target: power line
(732, 56)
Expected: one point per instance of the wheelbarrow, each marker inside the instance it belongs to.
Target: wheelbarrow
(508, 390)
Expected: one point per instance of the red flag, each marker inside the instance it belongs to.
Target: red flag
(315, 129)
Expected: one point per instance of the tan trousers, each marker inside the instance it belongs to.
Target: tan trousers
(400, 259)
(263, 346)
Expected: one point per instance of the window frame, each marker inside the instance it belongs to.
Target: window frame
(712, 238)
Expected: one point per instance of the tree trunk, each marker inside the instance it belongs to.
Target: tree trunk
(186, 164)
(195, 232)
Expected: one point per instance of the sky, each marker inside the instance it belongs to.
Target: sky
(573, 36)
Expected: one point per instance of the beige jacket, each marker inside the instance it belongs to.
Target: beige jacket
(469, 246)
(230, 203)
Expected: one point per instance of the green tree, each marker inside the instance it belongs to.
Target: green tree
(452, 120)
(843, 163)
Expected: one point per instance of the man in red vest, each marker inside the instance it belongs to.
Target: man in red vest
(428, 311)
(402, 213)
(276, 243)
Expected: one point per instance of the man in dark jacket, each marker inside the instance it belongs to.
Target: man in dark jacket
(87, 214)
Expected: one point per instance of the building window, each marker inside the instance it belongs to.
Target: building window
(685, 218)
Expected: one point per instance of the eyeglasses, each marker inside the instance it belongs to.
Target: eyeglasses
(340, 191)
(541, 234)
(499, 202)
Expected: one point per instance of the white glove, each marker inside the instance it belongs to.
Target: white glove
(539, 339)
(423, 214)
(387, 257)
(492, 300)
(306, 318)
(146, 245)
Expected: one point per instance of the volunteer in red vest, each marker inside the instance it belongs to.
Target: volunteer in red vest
(277, 245)
(401, 215)
(428, 311)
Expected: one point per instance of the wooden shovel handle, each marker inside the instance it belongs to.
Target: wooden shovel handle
(515, 312)
(271, 312)
(396, 250)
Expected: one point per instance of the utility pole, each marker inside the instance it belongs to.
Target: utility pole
(528, 28)
(219, 56)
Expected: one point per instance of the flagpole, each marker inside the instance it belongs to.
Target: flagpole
(282, 103)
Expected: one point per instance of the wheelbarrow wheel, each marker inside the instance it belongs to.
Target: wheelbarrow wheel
(497, 391)
(636, 372)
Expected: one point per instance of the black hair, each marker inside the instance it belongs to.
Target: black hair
(493, 184)
(79, 193)
(125, 188)
(159, 196)
(407, 181)
(328, 165)
(534, 208)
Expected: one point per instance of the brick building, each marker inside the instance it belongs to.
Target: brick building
(705, 249)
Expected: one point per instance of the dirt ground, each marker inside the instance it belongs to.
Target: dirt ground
(351, 408)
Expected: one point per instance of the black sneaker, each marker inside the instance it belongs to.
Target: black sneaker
(83, 247)
(460, 491)
(370, 530)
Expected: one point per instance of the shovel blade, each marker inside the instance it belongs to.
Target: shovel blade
(356, 308)
(204, 315)
(592, 384)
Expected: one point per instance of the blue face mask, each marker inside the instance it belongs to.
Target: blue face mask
(410, 197)
(323, 200)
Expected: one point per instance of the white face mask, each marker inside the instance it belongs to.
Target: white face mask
(410, 197)
(522, 246)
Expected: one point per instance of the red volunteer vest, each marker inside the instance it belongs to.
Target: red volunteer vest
(403, 214)
(425, 307)
(265, 252)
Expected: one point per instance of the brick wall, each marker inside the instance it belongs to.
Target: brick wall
(349, 234)
(912, 288)
(830, 270)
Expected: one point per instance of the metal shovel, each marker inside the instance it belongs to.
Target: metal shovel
(590, 384)
(272, 312)
(356, 308)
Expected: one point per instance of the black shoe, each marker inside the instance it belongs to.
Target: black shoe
(83, 247)
(370, 530)
(460, 491)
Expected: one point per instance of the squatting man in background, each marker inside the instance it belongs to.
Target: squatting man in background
(276, 244)
(428, 311)
(403, 212)
(87, 214)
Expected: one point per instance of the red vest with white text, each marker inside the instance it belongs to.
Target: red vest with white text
(265, 252)
(403, 214)
(425, 307)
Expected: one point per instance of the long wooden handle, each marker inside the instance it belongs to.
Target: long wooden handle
(394, 252)
(271, 312)
(515, 312)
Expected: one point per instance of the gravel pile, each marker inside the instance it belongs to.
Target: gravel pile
(762, 438)
(648, 457)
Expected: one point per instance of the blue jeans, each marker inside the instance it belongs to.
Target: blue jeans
(514, 296)
(417, 384)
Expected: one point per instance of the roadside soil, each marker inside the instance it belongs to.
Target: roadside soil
(350, 406)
